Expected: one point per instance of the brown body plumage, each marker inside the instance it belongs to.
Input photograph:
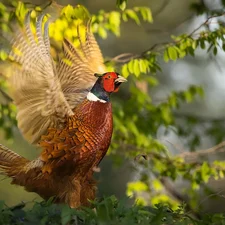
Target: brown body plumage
(74, 131)
(69, 156)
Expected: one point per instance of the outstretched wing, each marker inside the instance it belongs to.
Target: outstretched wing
(76, 71)
(35, 87)
(44, 93)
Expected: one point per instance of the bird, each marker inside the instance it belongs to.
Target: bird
(63, 108)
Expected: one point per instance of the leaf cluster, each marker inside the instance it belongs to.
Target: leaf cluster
(107, 211)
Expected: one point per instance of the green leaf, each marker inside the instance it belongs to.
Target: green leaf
(205, 172)
(121, 4)
(2, 7)
(166, 56)
(194, 44)
(66, 215)
(78, 12)
(131, 66)
(136, 68)
(152, 81)
(173, 100)
(125, 71)
(114, 22)
(68, 11)
(215, 50)
(157, 185)
(183, 45)
(145, 13)
(102, 32)
(20, 11)
(202, 44)
(132, 15)
(82, 13)
(172, 53)
(199, 90)
(188, 96)
(3, 55)
(166, 114)
(114, 18)
(142, 66)
(134, 187)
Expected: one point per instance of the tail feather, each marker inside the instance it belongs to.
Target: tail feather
(11, 163)
(23, 172)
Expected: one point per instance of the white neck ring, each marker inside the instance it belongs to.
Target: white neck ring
(93, 98)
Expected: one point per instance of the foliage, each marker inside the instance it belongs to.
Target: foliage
(108, 211)
(136, 116)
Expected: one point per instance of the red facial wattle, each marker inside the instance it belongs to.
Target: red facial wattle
(108, 85)
(109, 82)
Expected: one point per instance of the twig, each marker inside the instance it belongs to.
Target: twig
(179, 148)
(122, 58)
(164, 4)
(193, 156)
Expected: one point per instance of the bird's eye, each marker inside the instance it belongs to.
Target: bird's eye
(109, 77)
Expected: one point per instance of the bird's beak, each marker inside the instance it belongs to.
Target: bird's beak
(120, 79)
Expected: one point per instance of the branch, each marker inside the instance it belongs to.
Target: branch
(193, 157)
(122, 58)
(126, 57)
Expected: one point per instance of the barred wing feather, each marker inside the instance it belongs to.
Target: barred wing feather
(76, 71)
(35, 87)
(44, 93)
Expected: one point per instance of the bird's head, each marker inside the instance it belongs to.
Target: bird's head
(106, 84)
(110, 81)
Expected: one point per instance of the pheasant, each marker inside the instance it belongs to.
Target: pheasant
(65, 109)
